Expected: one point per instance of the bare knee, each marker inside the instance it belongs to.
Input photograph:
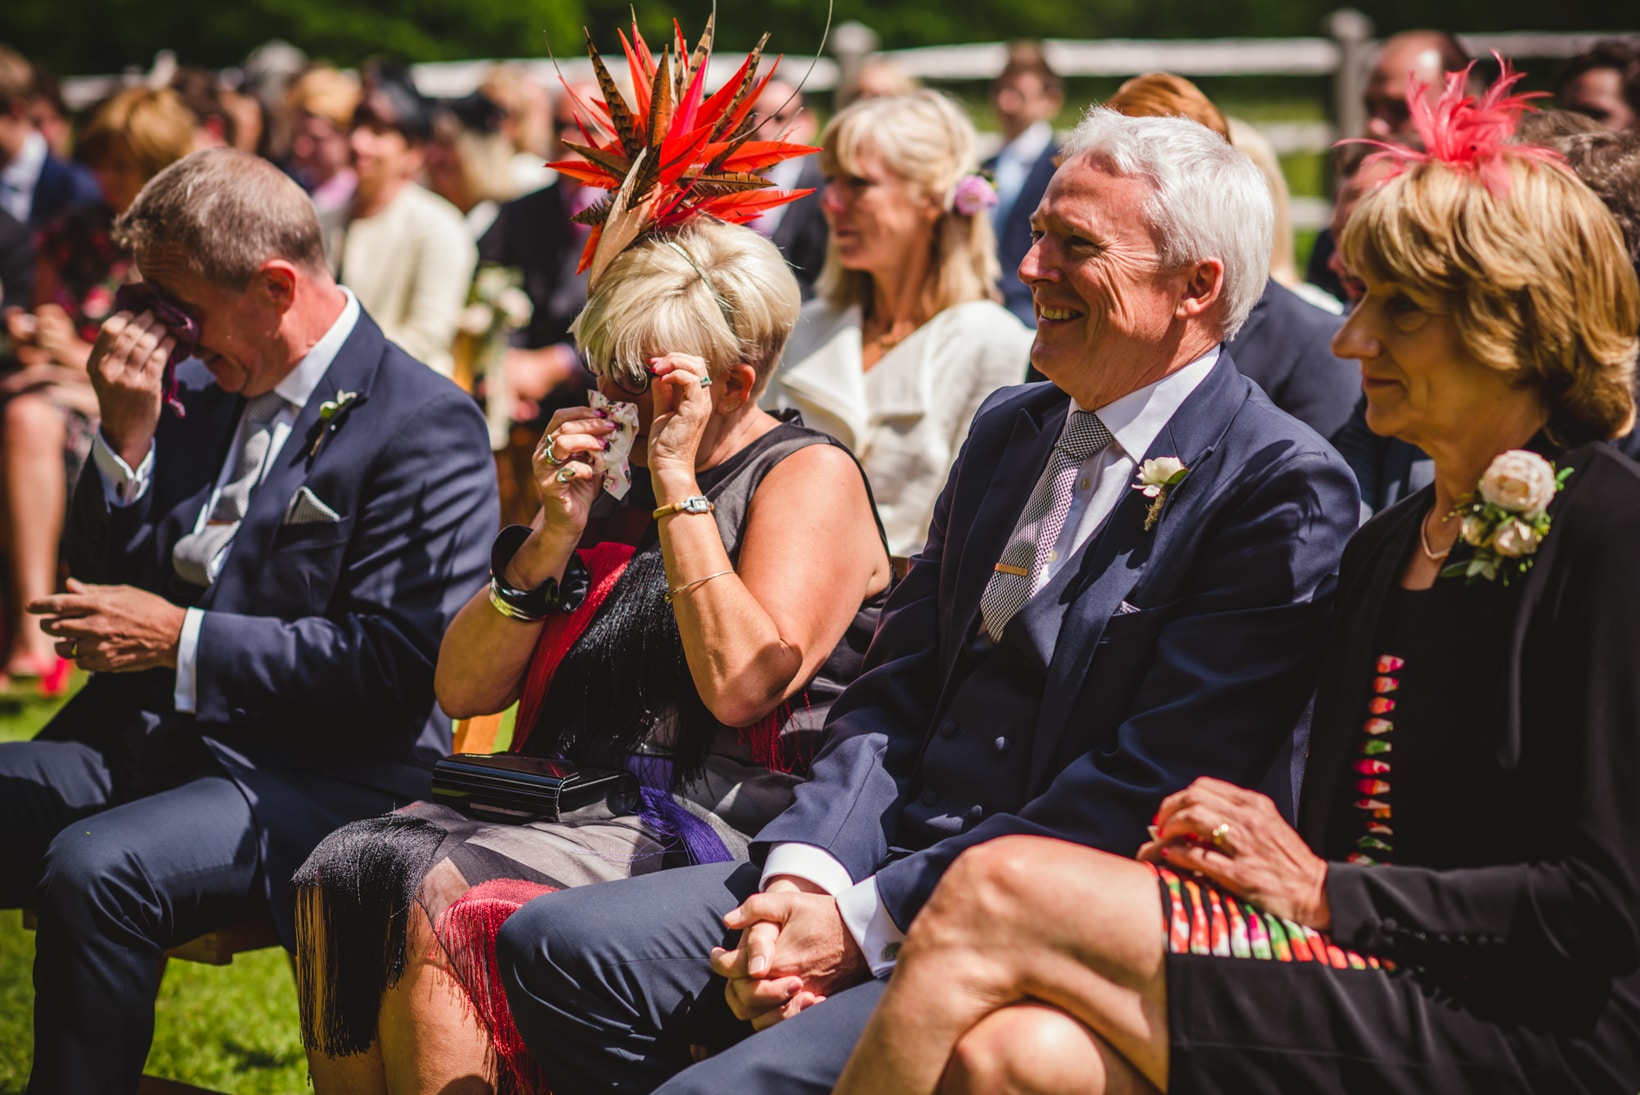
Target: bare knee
(31, 422)
(1027, 1048)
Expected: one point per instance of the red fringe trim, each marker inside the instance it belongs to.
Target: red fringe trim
(467, 930)
(605, 564)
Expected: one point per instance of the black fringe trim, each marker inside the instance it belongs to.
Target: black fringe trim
(353, 901)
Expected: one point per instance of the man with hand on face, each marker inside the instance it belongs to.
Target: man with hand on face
(261, 580)
(1124, 588)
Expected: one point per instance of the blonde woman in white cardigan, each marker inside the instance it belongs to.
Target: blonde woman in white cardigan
(906, 338)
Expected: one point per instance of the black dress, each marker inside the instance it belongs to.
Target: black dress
(1473, 782)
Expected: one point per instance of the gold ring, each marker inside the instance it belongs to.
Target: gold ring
(73, 649)
(1220, 831)
(546, 450)
(565, 474)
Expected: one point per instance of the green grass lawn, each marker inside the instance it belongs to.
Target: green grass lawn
(230, 1028)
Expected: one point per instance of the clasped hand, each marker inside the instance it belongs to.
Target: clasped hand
(794, 951)
(112, 629)
(1257, 856)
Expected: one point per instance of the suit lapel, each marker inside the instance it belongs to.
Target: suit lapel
(1114, 563)
(353, 370)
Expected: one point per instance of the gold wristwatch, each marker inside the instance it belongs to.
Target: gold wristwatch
(695, 503)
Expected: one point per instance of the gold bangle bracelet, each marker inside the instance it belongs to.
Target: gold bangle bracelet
(687, 586)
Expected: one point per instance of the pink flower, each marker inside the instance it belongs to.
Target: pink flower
(974, 194)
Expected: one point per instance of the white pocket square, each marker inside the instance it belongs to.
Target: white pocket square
(306, 509)
(1125, 609)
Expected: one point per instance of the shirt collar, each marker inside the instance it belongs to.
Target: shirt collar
(1137, 418)
(1029, 145)
(298, 385)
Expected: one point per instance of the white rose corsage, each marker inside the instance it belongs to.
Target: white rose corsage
(1155, 479)
(1507, 517)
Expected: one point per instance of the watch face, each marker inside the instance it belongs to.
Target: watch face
(697, 504)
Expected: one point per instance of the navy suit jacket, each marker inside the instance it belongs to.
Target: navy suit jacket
(1184, 651)
(1014, 233)
(1285, 347)
(316, 653)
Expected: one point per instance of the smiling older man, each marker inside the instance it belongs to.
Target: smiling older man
(1124, 589)
(260, 586)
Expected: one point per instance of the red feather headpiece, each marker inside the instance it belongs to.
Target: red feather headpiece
(1467, 133)
(673, 153)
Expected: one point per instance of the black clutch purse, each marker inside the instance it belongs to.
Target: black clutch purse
(513, 788)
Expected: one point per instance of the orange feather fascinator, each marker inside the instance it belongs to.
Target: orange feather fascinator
(674, 152)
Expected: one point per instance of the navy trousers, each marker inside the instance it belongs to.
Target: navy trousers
(115, 882)
(610, 986)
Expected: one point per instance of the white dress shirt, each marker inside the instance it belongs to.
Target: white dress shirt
(1013, 167)
(1135, 421)
(19, 178)
(122, 485)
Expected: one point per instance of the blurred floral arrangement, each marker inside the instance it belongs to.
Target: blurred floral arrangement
(496, 306)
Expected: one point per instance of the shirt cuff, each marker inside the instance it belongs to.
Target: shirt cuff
(121, 485)
(873, 929)
(187, 693)
(808, 862)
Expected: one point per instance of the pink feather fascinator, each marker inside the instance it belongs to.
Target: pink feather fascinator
(1468, 133)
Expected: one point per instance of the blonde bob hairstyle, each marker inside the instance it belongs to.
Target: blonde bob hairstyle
(719, 291)
(1537, 282)
(925, 140)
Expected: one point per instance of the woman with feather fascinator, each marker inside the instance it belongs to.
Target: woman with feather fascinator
(688, 627)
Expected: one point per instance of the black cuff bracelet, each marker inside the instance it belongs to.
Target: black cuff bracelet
(533, 604)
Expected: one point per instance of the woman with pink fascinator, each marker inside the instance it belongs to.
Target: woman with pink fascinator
(1458, 909)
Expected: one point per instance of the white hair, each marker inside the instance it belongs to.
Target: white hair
(1208, 200)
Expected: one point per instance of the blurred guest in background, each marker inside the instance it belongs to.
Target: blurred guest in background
(469, 160)
(320, 105)
(535, 235)
(526, 123)
(905, 339)
(403, 250)
(16, 263)
(798, 229)
(1603, 83)
(49, 409)
(1421, 55)
(217, 125)
(1027, 96)
(50, 113)
(1285, 346)
(35, 186)
(876, 78)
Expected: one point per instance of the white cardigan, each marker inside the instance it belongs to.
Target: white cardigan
(907, 416)
(411, 266)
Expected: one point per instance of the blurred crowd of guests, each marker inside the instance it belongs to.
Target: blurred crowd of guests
(444, 220)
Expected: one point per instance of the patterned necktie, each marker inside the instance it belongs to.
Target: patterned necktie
(1040, 523)
(194, 553)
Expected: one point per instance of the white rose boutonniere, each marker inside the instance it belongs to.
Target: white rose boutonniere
(1507, 517)
(1155, 479)
(331, 413)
